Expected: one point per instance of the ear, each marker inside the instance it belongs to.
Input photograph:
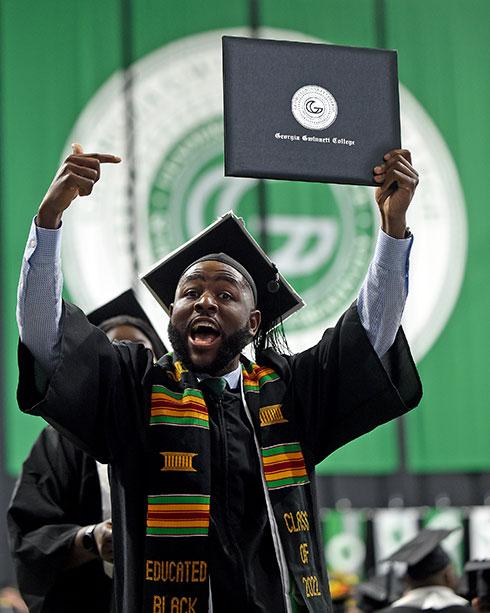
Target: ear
(254, 321)
(451, 579)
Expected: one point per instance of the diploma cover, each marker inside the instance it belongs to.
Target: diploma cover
(308, 111)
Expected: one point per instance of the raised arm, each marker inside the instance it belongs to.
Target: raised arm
(39, 297)
(383, 294)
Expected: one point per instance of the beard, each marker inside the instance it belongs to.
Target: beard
(230, 347)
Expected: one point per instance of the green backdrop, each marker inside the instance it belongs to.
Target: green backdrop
(55, 55)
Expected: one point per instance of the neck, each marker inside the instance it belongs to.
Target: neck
(209, 370)
(233, 365)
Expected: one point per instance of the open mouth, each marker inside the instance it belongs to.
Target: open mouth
(204, 333)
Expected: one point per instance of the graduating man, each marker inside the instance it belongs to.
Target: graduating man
(212, 456)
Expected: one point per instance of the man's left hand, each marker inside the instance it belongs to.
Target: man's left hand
(397, 181)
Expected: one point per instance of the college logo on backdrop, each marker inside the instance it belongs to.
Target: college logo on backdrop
(321, 236)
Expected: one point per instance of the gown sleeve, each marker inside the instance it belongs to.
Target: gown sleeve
(340, 388)
(96, 396)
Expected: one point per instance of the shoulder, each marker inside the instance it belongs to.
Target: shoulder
(280, 363)
(59, 449)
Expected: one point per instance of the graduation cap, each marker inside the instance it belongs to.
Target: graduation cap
(423, 555)
(126, 304)
(477, 576)
(378, 592)
(276, 299)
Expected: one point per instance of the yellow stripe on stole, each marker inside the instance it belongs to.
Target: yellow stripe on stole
(175, 401)
(283, 457)
(179, 413)
(178, 507)
(285, 472)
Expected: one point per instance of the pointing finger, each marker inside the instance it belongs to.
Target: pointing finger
(104, 158)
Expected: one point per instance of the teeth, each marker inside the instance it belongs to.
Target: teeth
(204, 326)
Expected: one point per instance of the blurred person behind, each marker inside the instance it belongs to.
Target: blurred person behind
(59, 517)
(431, 577)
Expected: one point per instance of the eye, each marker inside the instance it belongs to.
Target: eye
(225, 296)
(191, 293)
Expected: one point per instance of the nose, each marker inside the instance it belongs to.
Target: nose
(206, 303)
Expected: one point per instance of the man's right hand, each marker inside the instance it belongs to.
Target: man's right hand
(103, 539)
(76, 177)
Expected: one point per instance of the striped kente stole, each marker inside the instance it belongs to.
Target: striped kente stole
(179, 479)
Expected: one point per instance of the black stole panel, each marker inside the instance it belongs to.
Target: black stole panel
(288, 485)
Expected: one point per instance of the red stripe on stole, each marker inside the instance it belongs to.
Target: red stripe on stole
(276, 466)
(178, 515)
(180, 409)
(163, 404)
(261, 371)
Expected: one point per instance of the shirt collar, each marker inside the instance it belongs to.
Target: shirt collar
(233, 378)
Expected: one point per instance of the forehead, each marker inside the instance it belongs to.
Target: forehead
(126, 332)
(214, 271)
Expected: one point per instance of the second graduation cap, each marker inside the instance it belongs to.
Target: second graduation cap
(276, 299)
(127, 304)
(423, 555)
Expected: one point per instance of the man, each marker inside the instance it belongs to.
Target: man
(213, 480)
(430, 576)
(59, 516)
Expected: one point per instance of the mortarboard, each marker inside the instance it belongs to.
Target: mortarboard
(378, 592)
(127, 304)
(423, 555)
(477, 576)
(276, 299)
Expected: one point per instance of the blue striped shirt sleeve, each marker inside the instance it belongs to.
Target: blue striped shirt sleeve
(39, 304)
(384, 292)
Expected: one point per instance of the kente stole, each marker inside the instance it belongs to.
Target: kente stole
(179, 482)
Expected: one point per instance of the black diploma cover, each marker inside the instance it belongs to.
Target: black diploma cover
(308, 111)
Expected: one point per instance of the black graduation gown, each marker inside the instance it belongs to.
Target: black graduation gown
(99, 396)
(57, 492)
(455, 608)
(242, 557)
